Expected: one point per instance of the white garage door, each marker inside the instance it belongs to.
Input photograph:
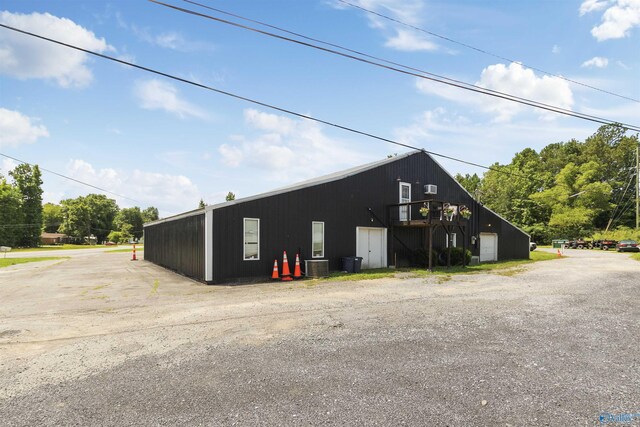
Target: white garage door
(488, 247)
(371, 245)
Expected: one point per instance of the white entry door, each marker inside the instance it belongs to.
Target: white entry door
(405, 197)
(371, 245)
(488, 247)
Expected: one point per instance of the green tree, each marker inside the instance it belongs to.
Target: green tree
(150, 214)
(577, 199)
(102, 212)
(471, 183)
(76, 218)
(51, 217)
(88, 215)
(28, 181)
(201, 204)
(11, 221)
(129, 220)
(230, 196)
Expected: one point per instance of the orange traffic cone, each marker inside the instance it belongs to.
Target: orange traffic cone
(297, 274)
(133, 256)
(559, 254)
(286, 273)
(275, 275)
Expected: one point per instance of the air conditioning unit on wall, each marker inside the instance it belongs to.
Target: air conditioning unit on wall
(430, 189)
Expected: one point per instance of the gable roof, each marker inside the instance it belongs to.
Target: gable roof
(335, 176)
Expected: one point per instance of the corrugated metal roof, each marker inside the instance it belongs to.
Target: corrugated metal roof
(315, 181)
(298, 186)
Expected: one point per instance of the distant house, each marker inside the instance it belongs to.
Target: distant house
(371, 211)
(52, 238)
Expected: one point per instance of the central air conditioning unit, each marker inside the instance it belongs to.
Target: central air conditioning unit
(430, 189)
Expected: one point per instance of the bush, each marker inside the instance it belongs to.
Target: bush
(118, 237)
(421, 257)
(456, 256)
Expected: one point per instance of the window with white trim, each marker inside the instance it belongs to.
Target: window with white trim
(251, 244)
(317, 239)
(453, 240)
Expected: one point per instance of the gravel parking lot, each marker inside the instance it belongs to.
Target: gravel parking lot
(100, 340)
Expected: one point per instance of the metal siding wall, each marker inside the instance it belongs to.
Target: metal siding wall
(285, 224)
(512, 242)
(285, 219)
(177, 245)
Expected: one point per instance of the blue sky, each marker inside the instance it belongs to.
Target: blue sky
(167, 144)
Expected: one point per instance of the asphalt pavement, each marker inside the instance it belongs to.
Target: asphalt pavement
(553, 343)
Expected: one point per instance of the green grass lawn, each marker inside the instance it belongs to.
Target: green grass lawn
(6, 262)
(636, 256)
(379, 273)
(138, 248)
(56, 248)
(64, 247)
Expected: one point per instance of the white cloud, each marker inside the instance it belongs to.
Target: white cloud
(397, 36)
(410, 41)
(593, 6)
(450, 134)
(618, 19)
(158, 95)
(6, 166)
(514, 80)
(170, 193)
(26, 57)
(288, 149)
(623, 65)
(555, 49)
(173, 40)
(17, 129)
(596, 61)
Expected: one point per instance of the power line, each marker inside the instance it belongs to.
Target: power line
(246, 99)
(436, 78)
(406, 67)
(486, 52)
(64, 176)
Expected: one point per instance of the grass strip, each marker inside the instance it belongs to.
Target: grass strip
(57, 248)
(6, 262)
(380, 273)
(138, 249)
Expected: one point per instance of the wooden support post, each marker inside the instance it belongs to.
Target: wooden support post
(464, 245)
(448, 229)
(392, 245)
(430, 248)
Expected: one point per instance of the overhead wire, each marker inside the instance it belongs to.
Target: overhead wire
(68, 177)
(483, 51)
(431, 76)
(386, 61)
(246, 99)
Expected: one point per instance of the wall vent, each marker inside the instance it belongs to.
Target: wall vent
(430, 189)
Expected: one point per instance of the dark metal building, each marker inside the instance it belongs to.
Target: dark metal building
(372, 211)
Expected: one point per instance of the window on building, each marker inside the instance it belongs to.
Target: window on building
(453, 240)
(251, 239)
(317, 239)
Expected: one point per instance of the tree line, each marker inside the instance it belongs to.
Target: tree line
(572, 189)
(23, 217)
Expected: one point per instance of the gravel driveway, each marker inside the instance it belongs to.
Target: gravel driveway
(102, 340)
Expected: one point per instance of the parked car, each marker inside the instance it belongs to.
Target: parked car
(627, 246)
(532, 246)
(110, 244)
